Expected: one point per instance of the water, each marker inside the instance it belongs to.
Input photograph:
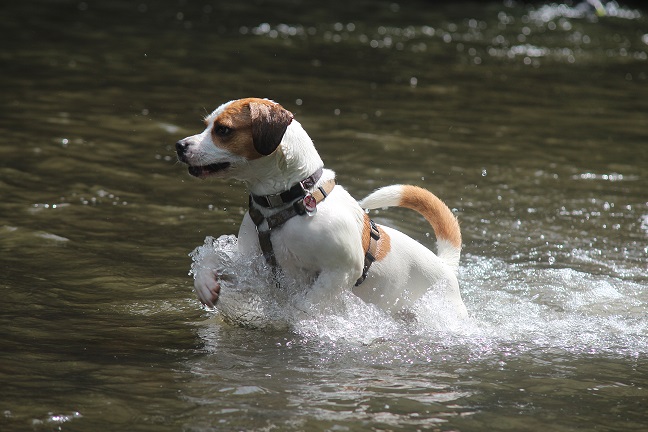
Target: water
(529, 120)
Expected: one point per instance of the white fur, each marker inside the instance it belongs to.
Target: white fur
(327, 248)
(390, 196)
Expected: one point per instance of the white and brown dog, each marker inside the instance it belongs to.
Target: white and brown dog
(306, 225)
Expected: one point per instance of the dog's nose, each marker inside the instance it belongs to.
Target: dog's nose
(181, 147)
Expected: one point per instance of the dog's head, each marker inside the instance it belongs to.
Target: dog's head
(237, 132)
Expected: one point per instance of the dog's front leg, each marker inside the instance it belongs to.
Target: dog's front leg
(213, 263)
(206, 281)
(326, 290)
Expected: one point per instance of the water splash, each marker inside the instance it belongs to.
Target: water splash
(560, 308)
(513, 308)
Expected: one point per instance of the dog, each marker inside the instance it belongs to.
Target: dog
(306, 225)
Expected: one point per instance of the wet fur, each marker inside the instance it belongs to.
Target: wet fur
(259, 142)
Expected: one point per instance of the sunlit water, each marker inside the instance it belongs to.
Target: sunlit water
(530, 121)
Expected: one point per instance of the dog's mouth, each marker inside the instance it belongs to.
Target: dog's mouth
(205, 170)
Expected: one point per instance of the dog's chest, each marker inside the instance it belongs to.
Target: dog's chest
(303, 242)
(329, 239)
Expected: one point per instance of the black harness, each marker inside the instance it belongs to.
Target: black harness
(370, 256)
(304, 198)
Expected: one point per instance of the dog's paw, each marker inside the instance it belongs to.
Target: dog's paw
(207, 286)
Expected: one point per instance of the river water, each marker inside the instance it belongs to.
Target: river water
(531, 121)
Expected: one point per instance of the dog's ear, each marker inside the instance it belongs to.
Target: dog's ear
(269, 124)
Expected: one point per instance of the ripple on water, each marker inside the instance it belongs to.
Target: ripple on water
(55, 420)
(554, 32)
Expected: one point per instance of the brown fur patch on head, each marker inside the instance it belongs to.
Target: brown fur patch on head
(269, 124)
(251, 127)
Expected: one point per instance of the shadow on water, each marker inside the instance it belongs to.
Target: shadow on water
(528, 119)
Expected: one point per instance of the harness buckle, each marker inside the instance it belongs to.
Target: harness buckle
(307, 184)
(273, 200)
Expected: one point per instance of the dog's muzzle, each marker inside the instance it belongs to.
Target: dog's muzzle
(198, 170)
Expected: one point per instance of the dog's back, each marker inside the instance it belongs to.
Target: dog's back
(409, 264)
(443, 221)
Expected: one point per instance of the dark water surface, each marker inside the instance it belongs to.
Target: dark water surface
(531, 121)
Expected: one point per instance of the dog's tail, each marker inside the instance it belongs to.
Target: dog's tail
(444, 223)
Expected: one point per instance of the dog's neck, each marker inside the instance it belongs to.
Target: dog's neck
(294, 160)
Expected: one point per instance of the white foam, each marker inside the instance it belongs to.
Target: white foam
(512, 307)
(557, 308)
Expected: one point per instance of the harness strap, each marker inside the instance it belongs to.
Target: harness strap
(370, 256)
(303, 203)
(266, 248)
(296, 191)
(306, 205)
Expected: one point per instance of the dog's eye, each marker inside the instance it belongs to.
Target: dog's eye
(221, 130)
